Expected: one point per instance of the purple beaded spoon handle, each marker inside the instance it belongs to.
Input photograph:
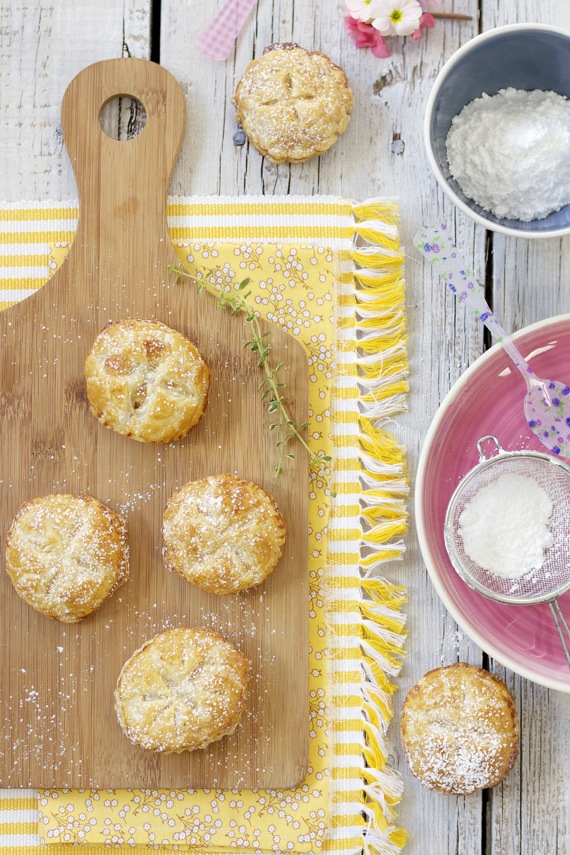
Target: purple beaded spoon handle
(547, 402)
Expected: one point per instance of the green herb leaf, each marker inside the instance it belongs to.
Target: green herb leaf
(270, 388)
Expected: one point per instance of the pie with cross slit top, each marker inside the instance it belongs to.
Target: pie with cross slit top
(292, 104)
(459, 729)
(66, 555)
(182, 690)
(222, 533)
(146, 381)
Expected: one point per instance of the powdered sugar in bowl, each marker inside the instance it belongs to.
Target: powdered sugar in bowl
(521, 59)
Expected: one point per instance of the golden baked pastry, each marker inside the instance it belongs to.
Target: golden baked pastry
(292, 104)
(223, 534)
(182, 690)
(66, 555)
(146, 381)
(459, 729)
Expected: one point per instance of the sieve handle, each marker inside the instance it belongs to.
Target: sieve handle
(491, 438)
(561, 624)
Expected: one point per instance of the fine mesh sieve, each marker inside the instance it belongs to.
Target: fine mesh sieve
(541, 584)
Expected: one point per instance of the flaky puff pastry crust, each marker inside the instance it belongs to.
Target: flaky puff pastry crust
(292, 104)
(223, 534)
(460, 729)
(181, 691)
(146, 381)
(66, 555)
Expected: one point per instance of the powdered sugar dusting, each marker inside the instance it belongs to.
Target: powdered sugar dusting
(459, 729)
(505, 528)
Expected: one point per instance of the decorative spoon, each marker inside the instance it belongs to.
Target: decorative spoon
(547, 402)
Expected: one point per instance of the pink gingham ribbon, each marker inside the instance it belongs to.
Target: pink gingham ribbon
(218, 39)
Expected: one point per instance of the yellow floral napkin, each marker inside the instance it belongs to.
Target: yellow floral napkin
(329, 272)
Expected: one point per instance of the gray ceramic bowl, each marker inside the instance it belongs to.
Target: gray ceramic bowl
(522, 56)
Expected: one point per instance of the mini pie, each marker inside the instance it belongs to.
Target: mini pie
(146, 381)
(293, 104)
(459, 729)
(223, 534)
(182, 690)
(66, 555)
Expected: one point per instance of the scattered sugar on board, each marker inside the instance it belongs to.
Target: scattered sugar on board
(510, 152)
(504, 526)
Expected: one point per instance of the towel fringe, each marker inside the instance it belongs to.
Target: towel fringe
(383, 841)
(382, 374)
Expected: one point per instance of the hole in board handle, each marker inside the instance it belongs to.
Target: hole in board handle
(122, 118)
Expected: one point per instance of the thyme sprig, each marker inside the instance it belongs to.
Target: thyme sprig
(271, 388)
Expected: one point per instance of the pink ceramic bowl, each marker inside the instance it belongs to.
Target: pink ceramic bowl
(488, 399)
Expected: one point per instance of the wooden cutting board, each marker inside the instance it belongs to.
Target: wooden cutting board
(57, 723)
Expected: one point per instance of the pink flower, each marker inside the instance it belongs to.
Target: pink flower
(370, 21)
(365, 36)
(426, 20)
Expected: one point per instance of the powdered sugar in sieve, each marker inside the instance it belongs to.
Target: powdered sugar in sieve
(507, 529)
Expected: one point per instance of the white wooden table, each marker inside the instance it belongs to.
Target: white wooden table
(44, 44)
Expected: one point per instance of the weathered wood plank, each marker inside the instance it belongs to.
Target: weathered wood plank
(42, 47)
(530, 812)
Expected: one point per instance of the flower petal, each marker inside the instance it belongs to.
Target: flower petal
(360, 9)
(384, 25)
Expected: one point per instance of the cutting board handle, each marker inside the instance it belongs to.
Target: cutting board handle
(122, 182)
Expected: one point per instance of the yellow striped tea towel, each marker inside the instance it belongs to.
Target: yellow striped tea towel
(330, 273)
